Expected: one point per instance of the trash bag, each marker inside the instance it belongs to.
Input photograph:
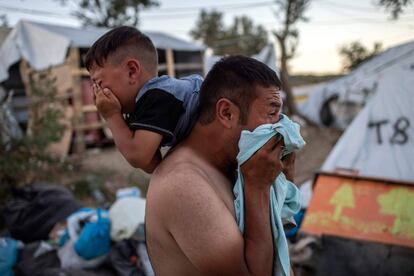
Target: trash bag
(34, 210)
(8, 256)
(70, 259)
(128, 192)
(87, 241)
(126, 214)
(124, 259)
(35, 258)
(94, 240)
(144, 259)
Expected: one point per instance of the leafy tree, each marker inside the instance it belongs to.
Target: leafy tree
(289, 13)
(395, 6)
(355, 53)
(111, 13)
(242, 37)
(209, 28)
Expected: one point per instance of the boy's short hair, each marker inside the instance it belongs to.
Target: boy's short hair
(120, 43)
(234, 78)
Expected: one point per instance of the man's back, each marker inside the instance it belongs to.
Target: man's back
(185, 189)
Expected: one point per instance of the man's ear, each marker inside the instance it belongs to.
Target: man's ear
(227, 113)
(134, 70)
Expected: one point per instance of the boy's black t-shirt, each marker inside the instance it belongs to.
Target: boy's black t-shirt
(157, 111)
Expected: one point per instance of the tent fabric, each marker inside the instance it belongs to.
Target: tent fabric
(267, 55)
(380, 140)
(43, 45)
(359, 85)
(40, 47)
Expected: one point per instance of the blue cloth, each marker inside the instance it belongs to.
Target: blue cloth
(185, 89)
(8, 256)
(284, 195)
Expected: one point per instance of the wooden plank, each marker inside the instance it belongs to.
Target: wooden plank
(61, 148)
(362, 208)
(89, 108)
(73, 62)
(82, 72)
(170, 62)
(90, 126)
(25, 71)
(188, 66)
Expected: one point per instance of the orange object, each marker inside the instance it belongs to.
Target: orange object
(362, 208)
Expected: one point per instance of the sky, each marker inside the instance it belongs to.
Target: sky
(331, 24)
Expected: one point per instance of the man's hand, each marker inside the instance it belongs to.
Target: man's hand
(289, 166)
(106, 102)
(259, 172)
(264, 166)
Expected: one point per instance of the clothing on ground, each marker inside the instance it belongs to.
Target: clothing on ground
(284, 195)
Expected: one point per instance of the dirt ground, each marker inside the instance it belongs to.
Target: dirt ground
(319, 142)
(117, 173)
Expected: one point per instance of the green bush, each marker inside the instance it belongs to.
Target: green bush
(25, 160)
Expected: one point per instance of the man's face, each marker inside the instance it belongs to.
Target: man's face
(265, 109)
(115, 78)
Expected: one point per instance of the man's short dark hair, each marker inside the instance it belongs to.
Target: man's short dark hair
(234, 78)
(120, 43)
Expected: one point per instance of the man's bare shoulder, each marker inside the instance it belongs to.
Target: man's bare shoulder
(180, 172)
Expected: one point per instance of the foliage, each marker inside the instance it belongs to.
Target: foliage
(209, 28)
(27, 159)
(111, 13)
(355, 53)
(242, 37)
(395, 6)
(289, 13)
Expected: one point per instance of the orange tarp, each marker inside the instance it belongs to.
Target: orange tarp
(362, 208)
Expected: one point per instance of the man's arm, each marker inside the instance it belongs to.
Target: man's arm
(206, 230)
(259, 172)
(141, 147)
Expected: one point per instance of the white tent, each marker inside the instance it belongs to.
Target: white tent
(380, 140)
(354, 90)
(45, 45)
(267, 55)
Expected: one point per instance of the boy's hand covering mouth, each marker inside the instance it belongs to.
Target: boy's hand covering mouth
(106, 102)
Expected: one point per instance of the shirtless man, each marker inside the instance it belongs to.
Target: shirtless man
(190, 220)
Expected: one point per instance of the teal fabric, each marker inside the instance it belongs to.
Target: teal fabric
(284, 195)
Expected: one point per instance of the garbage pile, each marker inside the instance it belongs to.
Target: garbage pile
(49, 233)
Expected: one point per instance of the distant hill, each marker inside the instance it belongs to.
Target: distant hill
(299, 80)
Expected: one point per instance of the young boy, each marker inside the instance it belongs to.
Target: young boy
(159, 111)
